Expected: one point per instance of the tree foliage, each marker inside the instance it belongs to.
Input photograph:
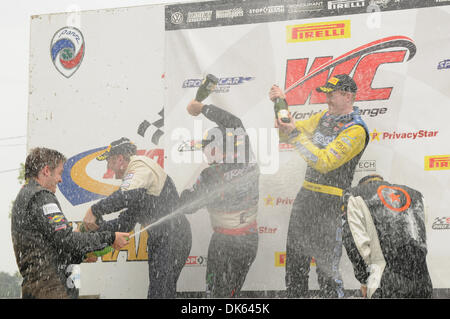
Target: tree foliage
(21, 176)
(21, 179)
(10, 285)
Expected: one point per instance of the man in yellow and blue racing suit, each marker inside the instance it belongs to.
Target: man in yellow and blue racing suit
(331, 142)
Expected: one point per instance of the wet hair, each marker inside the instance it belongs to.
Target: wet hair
(40, 157)
(122, 146)
(127, 150)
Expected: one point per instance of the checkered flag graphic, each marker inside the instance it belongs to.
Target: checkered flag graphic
(143, 127)
(440, 220)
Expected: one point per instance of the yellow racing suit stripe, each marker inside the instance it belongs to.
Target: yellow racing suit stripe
(323, 188)
(349, 143)
(309, 126)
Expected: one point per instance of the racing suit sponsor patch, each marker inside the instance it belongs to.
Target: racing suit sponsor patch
(129, 176)
(125, 185)
(60, 227)
(335, 153)
(51, 209)
(303, 150)
(56, 219)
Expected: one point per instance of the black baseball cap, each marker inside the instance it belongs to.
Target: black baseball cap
(218, 136)
(341, 82)
(120, 146)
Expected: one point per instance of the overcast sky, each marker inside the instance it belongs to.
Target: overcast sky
(14, 34)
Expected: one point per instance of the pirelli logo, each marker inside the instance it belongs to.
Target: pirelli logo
(437, 162)
(280, 259)
(318, 31)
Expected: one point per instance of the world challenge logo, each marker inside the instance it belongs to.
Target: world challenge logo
(365, 60)
(67, 50)
(441, 223)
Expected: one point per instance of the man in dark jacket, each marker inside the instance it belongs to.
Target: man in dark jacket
(384, 236)
(229, 189)
(43, 240)
(149, 194)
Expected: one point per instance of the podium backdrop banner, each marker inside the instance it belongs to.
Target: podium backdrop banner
(96, 76)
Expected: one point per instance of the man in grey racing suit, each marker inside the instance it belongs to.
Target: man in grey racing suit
(229, 189)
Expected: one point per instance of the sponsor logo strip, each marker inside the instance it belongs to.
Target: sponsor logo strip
(224, 13)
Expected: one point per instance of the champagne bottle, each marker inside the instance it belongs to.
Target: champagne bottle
(281, 110)
(97, 253)
(208, 85)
